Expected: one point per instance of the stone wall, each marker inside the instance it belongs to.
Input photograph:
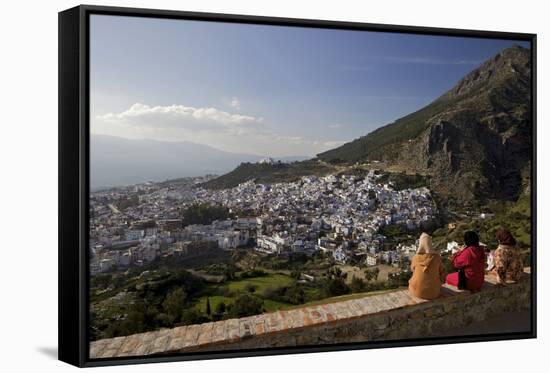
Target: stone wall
(393, 315)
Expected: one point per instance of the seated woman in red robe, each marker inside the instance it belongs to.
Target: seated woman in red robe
(471, 260)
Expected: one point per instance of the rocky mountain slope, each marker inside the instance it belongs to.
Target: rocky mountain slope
(474, 141)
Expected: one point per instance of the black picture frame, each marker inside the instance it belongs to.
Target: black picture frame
(74, 184)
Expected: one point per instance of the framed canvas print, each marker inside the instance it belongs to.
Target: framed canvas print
(237, 186)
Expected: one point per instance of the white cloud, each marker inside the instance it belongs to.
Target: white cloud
(317, 145)
(186, 118)
(327, 145)
(235, 103)
(335, 126)
(237, 133)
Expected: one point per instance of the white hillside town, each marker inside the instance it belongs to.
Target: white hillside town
(337, 215)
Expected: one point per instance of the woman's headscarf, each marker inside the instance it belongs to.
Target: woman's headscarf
(471, 239)
(504, 237)
(425, 244)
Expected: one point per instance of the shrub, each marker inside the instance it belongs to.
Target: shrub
(174, 303)
(253, 273)
(249, 288)
(192, 316)
(246, 305)
(335, 283)
(358, 285)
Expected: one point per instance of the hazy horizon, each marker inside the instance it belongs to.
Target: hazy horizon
(116, 161)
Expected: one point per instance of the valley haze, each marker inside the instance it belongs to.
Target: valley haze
(116, 161)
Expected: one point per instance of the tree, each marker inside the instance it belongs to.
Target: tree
(131, 201)
(400, 278)
(208, 310)
(335, 284)
(250, 262)
(220, 308)
(357, 285)
(371, 274)
(295, 294)
(204, 213)
(229, 273)
(133, 323)
(219, 311)
(336, 272)
(192, 316)
(372, 194)
(246, 305)
(174, 303)
(250, 288)
(295, 274)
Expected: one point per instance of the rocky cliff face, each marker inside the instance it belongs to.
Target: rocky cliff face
(474, 141)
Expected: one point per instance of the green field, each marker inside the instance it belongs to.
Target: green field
(270, 281)
(271, 306)
(262, 283)
(239, 286)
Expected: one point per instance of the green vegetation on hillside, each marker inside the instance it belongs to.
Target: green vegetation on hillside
(371, 145)
(264, 173)
(402, 181)
(204, 213)
(126, 202)
(131, 303)
(514, 216)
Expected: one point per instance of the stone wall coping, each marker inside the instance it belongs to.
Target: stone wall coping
(211, 334)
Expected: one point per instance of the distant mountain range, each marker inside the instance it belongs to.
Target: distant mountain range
(474, 141)
(117, 161)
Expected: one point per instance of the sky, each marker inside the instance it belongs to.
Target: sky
(265, 90)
